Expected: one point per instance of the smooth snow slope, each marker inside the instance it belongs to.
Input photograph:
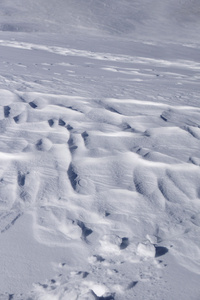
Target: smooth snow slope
(99, 150)
(144, 19)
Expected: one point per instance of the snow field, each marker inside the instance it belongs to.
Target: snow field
(99, 151)
(94, 176)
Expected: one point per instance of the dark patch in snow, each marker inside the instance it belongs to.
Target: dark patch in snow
(109, 297)
(33, 105)
(164, 118)
(45, 286)
(11, 223)
(69, 127)
(124, 243)
(53, 281)
(131, 285)
(21, 179)
(84, 274)
(16, 119)
(160, 251)
(51, 122)
(61, 122)
(107, 214)
(73, 108)
(72, 176)
(85, 136)
(126, 127)
(71, 145)
(85, 230)
(7, 111)
(39, 145)
(112, 110)
(99, 258)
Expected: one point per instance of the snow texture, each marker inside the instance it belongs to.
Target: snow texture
(99, 150)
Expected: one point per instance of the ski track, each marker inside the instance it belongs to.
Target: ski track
(117, 177)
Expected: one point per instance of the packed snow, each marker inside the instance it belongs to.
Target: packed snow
(99, 150)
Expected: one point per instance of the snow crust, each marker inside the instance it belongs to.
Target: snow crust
(99, 150)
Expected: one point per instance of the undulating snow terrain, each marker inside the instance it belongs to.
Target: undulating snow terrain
(99, 150)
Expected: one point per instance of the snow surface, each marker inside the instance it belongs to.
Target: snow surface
(99, 150)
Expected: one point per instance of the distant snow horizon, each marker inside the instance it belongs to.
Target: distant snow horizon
(145, 19)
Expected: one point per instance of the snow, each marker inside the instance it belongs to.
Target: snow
(146, 249)
(99, 150)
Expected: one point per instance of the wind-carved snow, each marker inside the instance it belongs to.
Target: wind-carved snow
(99, 176)
(102, 190)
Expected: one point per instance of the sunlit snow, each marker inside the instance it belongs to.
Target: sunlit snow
(99, 150)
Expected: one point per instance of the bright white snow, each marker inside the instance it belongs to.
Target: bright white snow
(99, 150)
